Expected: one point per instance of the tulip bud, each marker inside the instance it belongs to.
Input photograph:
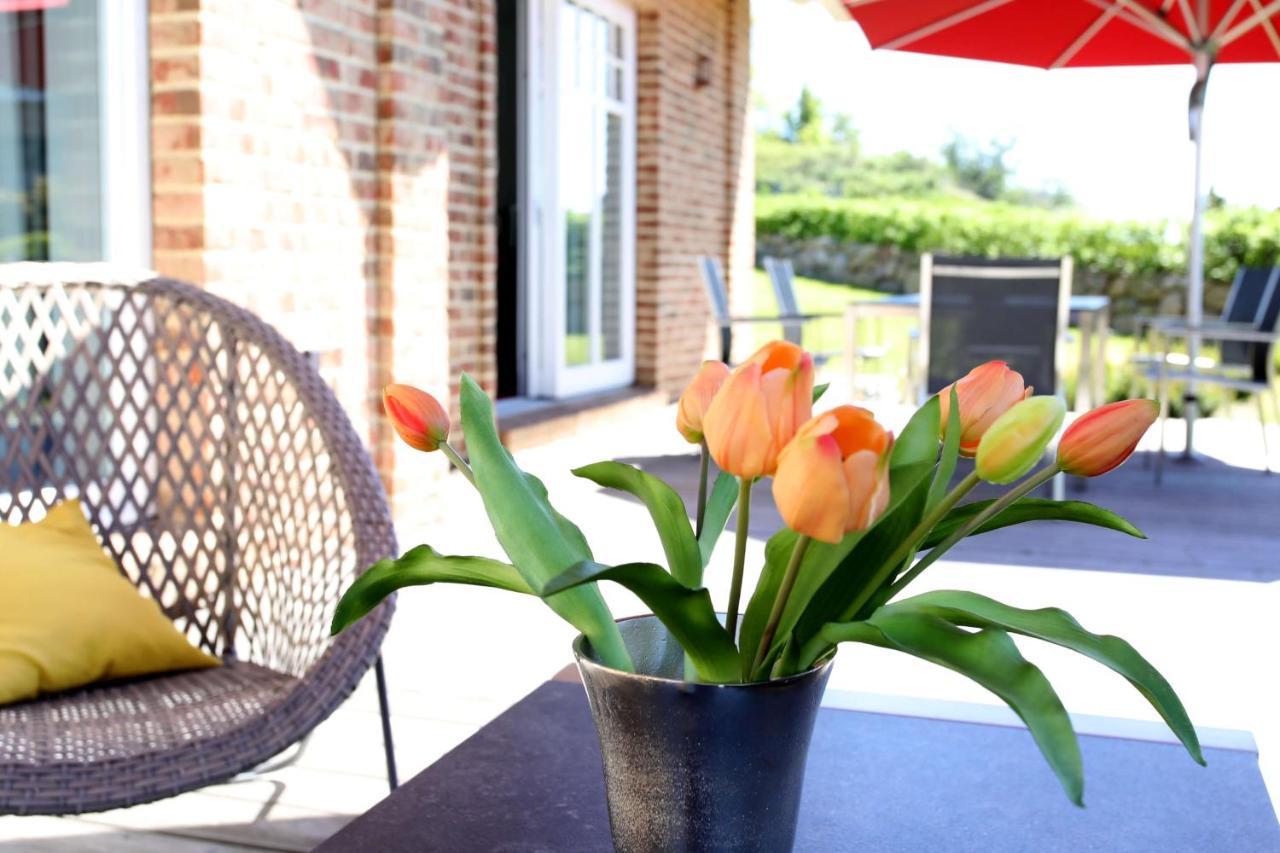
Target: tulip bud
(697, 397)
(984, 394)
(418, 418)
(1012, 445)
(1105, 437)
(759, 408)
(833, 477)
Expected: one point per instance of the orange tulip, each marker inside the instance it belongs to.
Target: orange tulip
(417, 416)
(697, 397)
(759, 408)
(834, 475)
(1105, 437)
(984, 393)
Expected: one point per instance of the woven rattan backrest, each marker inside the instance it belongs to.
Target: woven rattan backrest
(213, 462)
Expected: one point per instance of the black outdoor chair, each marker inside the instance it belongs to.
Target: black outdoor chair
(1246, 334)
(789, 316)
(973, 310)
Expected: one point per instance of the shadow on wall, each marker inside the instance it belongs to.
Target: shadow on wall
(385, 87)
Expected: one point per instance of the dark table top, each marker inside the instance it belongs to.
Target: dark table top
(530, 781)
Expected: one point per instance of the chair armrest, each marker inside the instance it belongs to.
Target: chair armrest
(778, 318)
(1221, 332)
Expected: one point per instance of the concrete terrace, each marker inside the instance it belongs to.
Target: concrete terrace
(1200, 599)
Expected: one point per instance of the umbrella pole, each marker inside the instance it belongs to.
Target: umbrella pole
(1195, 277)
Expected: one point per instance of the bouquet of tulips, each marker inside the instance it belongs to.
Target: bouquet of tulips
(866, 512)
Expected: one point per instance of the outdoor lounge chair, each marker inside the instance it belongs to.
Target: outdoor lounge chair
(788, 314)
(223, 476)
(782, 275)
(1246, 335)
(973, 310)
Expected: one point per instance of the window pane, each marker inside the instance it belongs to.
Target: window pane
(590, 142)
(611, 284)
(575, 175)
(50, 167)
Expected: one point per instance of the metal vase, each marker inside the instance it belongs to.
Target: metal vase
(698, 767)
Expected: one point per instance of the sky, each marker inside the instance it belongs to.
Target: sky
(1116, 138)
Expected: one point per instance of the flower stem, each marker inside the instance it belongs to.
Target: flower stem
(909, 544)
(702, 490)
(780, 602)
(1039, 478)
(739, 554)
(457, 460)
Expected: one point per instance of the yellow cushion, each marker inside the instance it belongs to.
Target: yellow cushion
(69, 618)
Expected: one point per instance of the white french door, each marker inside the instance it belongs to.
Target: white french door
(580, 262)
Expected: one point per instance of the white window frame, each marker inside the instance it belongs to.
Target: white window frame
(125, 138)
(542, 226)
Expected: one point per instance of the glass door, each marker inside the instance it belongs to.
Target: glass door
(74, 162)
(585, 199)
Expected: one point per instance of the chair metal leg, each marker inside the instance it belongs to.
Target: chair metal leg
(1162, 393)
(384, 709)
(1262, 421)
(1275, 406)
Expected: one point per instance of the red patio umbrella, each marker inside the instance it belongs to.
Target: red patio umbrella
(1089, 33)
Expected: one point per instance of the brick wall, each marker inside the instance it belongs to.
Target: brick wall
(328, 164)
(331, 165)
(694, 175)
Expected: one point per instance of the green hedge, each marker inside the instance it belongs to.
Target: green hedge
(1233, 236)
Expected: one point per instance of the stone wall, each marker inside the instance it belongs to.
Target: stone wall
(892, 270)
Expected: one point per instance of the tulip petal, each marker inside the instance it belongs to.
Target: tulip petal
(810, 489)
(1104, 438)
(736, 425)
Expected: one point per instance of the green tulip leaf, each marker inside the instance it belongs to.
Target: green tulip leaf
(990, 658)
(828, 596)
(1029, 509)
(832, 577)
(687, 613)
(819, 390)
(420, 566)
(720, 503)
(667, 510)
(950, 454)
(918, 441)
(540, 541)
(1056, 626)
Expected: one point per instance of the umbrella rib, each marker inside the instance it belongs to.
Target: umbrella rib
(1152, 24)
(1270, 29)
(1193, 27)
(1156, 23)
(937, 26)
(1227, 18)
(1249, 23)
(1084, 38)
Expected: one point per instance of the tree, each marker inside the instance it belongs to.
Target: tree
(803, 125)
(982, 171)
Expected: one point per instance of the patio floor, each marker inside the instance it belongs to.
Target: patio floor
(1199, 598)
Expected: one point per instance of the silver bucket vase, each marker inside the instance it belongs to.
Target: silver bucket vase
(695, 768)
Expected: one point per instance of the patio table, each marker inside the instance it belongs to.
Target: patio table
(531, 781)
(1088, 312)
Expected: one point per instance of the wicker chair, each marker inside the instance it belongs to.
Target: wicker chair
(224, 477)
